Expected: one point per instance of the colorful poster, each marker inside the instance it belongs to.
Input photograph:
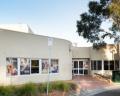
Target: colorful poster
(54, 66)
(24, 66)
(45, 65)
(12, 66)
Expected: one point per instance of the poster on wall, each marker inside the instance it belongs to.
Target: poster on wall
(54, 66)
(45, 65)
(12, 66)
(24, 66)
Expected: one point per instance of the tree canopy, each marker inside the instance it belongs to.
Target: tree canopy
(89, 25)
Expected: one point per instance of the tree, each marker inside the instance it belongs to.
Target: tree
(89, 25)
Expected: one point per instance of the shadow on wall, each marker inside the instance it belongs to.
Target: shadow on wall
(111, 52)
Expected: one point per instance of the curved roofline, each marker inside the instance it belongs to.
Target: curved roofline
(22, 32)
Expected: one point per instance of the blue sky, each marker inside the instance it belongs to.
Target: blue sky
(56, 18)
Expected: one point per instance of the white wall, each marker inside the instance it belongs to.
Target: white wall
(15, 44)
(80, 52)
(93, 54)
(103, 54)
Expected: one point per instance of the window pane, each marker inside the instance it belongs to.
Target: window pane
(80, 64)
(12, 66)
(85, 72)
(95, 65)
(75, 71)
(75, 64)
(54, 66)
(24, 66)
(111, 65)
(45, 65)
(80, 71)
(34, 66)
(117, 65)
(106, 65)
(99, 64)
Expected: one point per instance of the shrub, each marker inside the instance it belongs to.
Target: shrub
(42, 88)
(28, 89)
(31, 89)
(61, 86)
(73, 86)
(6, 91)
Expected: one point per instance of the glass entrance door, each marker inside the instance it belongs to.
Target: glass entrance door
(80, 67)
(81, 71)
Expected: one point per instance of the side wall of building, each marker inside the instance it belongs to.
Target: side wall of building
(15, 44)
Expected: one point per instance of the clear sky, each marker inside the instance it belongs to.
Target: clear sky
(56, 18)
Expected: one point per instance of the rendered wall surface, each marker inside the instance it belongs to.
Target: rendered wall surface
(108, 53)
(81, 52)
(15, 44)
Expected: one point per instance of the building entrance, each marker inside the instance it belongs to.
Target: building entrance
(80, 67)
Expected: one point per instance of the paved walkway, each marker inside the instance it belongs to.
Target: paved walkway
(89, 84)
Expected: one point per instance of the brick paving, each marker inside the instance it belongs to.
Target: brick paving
(89, 86)
(89, 82)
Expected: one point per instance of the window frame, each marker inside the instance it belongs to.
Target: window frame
(30, 66)
(19, 64)
(94, 65)
(16, 66)
(37, 66)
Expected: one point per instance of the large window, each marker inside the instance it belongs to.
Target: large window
(34, 66)
(108, 65)
(54, 66)
(27, 66)
(12, 66)
(96, 65)
(24, 66)
(99, 63)
(93, 65)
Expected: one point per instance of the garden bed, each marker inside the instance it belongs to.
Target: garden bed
(58, 88)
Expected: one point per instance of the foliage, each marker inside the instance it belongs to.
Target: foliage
(7, 91)
(42, 88)
(115, 14)
(61, 86)
(89, 25)
(116, 76)
(31, 89)
(28, 89)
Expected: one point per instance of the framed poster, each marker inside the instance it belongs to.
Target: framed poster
(54, 66)
(12, 66)
(45, 65)
(24, 66)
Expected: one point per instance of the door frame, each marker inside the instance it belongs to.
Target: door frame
(78, 68)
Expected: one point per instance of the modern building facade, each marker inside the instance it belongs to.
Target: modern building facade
(25, 57)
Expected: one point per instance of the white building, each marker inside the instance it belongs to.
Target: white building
(24, 58)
